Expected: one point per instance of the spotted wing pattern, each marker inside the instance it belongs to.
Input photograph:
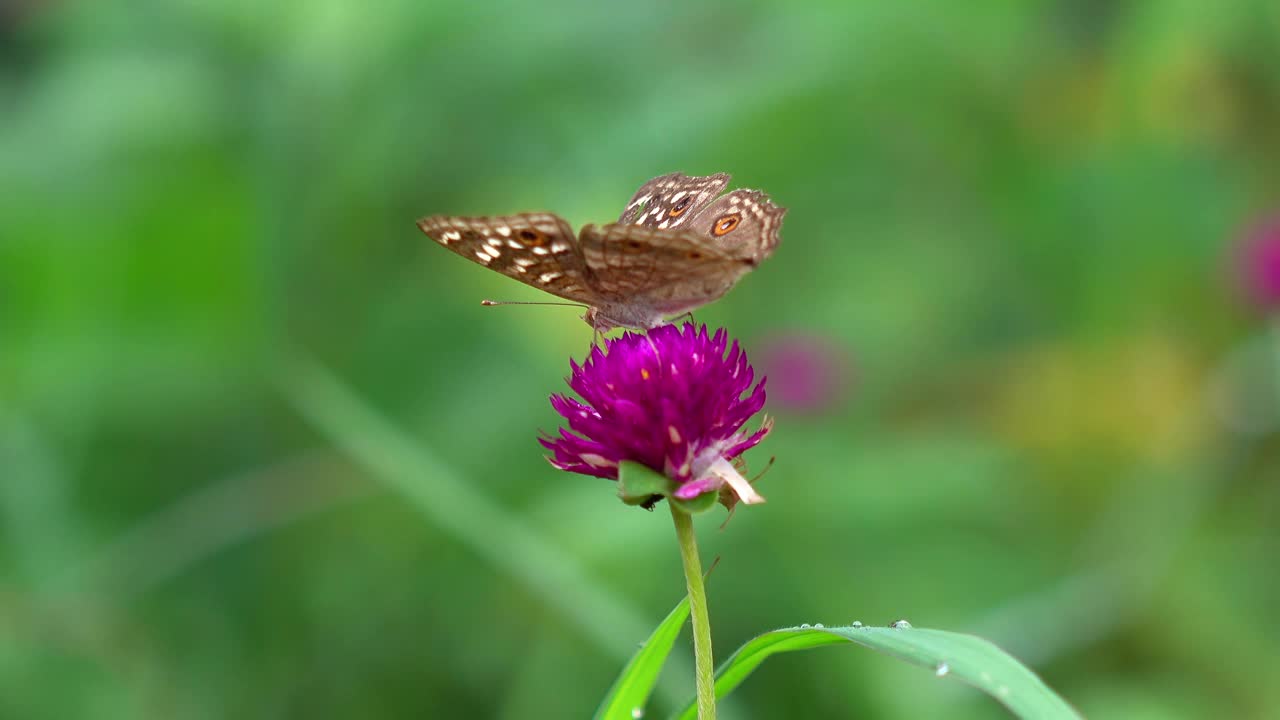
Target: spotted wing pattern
(670, 201)
(538, 249)
(675, 248)
(744, 219)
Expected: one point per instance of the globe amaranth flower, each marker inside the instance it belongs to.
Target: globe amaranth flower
(672, 400)
(1258, 264)
(807, 373)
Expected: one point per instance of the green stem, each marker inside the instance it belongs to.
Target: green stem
(704, 667)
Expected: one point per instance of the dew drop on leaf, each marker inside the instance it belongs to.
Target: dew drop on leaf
(900, 625)
(942, 669)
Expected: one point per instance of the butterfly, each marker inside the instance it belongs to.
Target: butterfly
(678, 245)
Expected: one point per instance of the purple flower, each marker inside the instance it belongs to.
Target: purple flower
(1259, 264)
(671, 400)
(808, 373)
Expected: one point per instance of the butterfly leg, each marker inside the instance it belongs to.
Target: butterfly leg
(686, 315)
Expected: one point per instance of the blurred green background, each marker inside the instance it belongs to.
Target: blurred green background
(263, 454)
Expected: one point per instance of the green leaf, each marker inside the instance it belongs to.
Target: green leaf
(637, 483)
(966, 658)
(632, 688)
(697, 505)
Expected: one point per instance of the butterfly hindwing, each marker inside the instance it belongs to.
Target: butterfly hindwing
(670, 201)
(744, 219)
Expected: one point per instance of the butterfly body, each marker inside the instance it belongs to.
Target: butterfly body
(675, 248)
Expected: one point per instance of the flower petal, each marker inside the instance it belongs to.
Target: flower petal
(674, 399)
(747, 494)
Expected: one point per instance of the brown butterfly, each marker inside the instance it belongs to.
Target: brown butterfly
(675, 248)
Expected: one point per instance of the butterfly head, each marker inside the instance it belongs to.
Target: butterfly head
(597, 321)
(608, 316)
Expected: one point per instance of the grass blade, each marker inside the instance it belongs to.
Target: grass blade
(462, 509)
(967, 658)
(632, 688)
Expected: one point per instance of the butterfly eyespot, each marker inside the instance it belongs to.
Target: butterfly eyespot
(695, 255)
(532, 237)
(725, 225)
(634, 244)
(681, 205)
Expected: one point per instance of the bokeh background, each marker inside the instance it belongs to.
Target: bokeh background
(263, 454)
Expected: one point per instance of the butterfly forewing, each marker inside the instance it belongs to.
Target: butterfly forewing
(538, 249)
(670, 201)
(668, 271)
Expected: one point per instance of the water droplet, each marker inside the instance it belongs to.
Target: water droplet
(942, 669)
(818, 626)
(900, 625)
(804, 626)
(637, 713)
(855, 624)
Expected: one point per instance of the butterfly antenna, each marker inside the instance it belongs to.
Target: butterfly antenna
(495, 303)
